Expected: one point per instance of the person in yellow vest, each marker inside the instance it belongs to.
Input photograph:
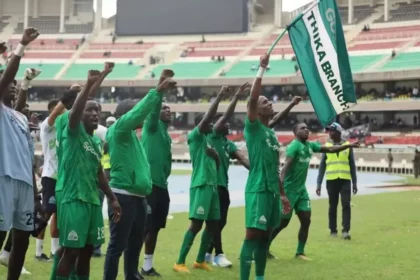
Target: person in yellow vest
(340, 170)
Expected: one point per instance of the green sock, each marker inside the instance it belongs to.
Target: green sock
(82, 277)
(204, 246)
(73, 275)
(56, 260)
(300, 248)
(259, 277)
(261, 257)
(186, 246)
(247, 252)
(62, 278)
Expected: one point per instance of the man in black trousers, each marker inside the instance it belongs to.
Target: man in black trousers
(340, 169)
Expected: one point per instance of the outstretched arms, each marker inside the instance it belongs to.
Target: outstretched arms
(281, 115)
(208, 117)
(256, 90)
(218, 126)
(337, 149)
(30, 74)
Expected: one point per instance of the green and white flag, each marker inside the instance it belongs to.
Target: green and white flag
(320, 47)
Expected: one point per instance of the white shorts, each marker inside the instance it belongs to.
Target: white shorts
(16, 205)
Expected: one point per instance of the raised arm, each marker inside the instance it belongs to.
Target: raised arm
(30, 74)
(9, 74)
(208, 117)
(136, 116)
(353, 171)
(218, 126)
(238, 155)
(79, 105)
(109, 66)
(66, 102)
(281, 115)
(337, 149)
(256, 90)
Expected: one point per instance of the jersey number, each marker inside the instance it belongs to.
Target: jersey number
(30, 218)
(101, 233)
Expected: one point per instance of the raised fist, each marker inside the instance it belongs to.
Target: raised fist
(93, 76)
(3, 47)
(166, 73)
(244, 88)
(224, 90)
(109, 66)
(167, 84)
(264, 60)
(29, 35)
(31, 73)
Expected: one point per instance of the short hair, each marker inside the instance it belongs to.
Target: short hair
(198, 118)
(52, 104)
(295, 128)
(125, 106)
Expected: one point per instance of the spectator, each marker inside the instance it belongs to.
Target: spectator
(130, 62)
(253, 67)
(114, 38)
(415, 120)
(393, 54)
(415, 92)
(203, 40)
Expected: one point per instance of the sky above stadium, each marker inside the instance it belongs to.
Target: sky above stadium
(110, 6)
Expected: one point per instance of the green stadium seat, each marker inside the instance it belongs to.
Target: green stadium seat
(49, 71)
(403, 61)
(360, 63)
(277, 68)
(190, 70)
(121, 71)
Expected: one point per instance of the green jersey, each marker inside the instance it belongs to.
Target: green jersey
(130, 170)
(263, 152)
(226, 150)
(60, 124)
(157, 144)
(204, 167)
(301, 154)
(79, 162)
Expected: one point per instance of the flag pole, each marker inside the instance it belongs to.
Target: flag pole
(296, 19)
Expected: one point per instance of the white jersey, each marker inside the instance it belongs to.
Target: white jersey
(48, 141)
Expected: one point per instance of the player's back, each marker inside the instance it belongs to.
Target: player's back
(263, 152)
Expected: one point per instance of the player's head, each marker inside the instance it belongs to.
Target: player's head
(226, 125)
(26, 110)
(301, 131)
(198, 118)
(389, 150)
(110, 121)
(10, 94)
(90, 116)
(52, 104)
(265, 107)
(165, 113)
(70, 96)
(335, 131)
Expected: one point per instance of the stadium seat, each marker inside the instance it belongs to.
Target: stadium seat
(277, 68)
(191, 70)
(403, 61)
(360, 63)
(49, 71)
(121, 71)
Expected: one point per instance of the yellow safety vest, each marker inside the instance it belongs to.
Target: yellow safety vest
(338, 166)
(105, 161)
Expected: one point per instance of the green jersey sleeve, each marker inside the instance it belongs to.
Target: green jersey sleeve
(292, 149)
(315, 146)
(252, 127)
(196, 136)
(231, 148)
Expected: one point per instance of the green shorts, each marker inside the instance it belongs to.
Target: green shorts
(204, 203)
(299, 201)
(80, 224)
(58, 203)
(262, 210)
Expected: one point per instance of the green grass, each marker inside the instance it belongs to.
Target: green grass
(407, 181)
(385, 231)
(181, 172)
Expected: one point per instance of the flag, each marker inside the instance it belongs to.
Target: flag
(317, 38)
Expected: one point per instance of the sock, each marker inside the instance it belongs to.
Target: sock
(62, 278)
(247, 252)
(204, 246)
(259, 277)
(5, 254)
(148, 262)
(260, 255)
(54, 245)
(186, 246)
(56, 260)
(82, 277)
(300, 248)
(39, 247)
(73, 275)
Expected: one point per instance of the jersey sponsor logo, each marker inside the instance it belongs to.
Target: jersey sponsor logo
(200, 210)
(52, 200)
(262, 220)
(274, 146)
(72, 236)
(91, 150)
(304, 160)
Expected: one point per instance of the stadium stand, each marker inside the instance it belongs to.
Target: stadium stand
(404, 12)
(360, 13)
(78, 71)
(45, 24)
(403, 61)
(191, 70)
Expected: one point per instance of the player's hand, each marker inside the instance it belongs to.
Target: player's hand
(76, 88)
(264, 60)
(31, 73)
(109, 66)
(224, 91)
(244, 89)
(355, 144)
(286, 205)
(167, 84)
(354, 189)
(166, 73)
(116, 211)
(296, 100)
(29, 35)
(93, 76)
(318, 191)
(3, 47)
